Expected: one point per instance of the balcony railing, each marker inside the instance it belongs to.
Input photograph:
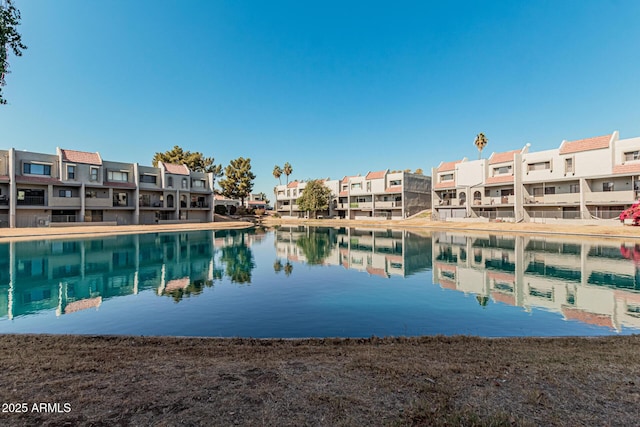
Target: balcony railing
(63, 218)
(562, 198)
(361, 205)
(31, 201)
(199, 205)
(4, 200)
(627, 196)
(387, 204)
(154, 204)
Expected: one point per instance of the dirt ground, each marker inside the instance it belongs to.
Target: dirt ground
(459, 381)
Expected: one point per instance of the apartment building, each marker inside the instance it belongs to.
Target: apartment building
(592, 178)
(376, 195)
(72, 186)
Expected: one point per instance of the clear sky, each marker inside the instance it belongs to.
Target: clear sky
(333, 87)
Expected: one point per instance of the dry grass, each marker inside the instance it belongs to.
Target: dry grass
(405, 381)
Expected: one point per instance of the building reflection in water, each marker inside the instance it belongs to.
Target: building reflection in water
(593, 282)
(69, 276)
(375, 251)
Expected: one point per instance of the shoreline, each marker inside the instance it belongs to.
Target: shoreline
(417, 224)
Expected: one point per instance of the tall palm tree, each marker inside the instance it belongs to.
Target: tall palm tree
(480, 142)
(287, 170)
(277, 173)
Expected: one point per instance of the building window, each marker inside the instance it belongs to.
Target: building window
(631, 155)
(538, 166)
(607, 186)
(91, 194)
(149, 179)
(356, 186)
(502, 170)
(294, 192)
(184, 182)
(71, 172)
(288, 193)
(568, 165)
(462, 196)
(399, 181)
(280, 192)
(198, 183)
(36, 169)
(93, 174)
(549, 190)
(477, 196)
(574, 188)
(170, 182)
(345, 187)
(118, 176)
(65, 193)
(537, 191)
(369, 186)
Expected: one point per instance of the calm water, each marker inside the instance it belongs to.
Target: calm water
(319, 282)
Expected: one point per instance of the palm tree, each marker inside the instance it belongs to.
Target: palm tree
(287, 170)
(277, 173)
(480, 142)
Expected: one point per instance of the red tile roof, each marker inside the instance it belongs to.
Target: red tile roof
(626, 169)
(503, 157)
(348, 177)
(81, 157)
(448, 284)
(394, 189)
(344, 193)
(587, 317)
(394, 258)
(587, 144)
(176, 169)
(4, 177)
(499, 179)
(446, 267)
(448, 166)
(446, 184)
(37, 179)
(82, 304)
(376, 175)
(503, 277)
(292, 184)
(257, 202)
(120, 184)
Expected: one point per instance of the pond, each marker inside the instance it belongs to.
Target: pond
(295, 282)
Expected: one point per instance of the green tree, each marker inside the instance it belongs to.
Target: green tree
(315, 197)
(238, 181)
(277, 173)
(238, 258)
(195, 161)
(287, 170)
(263, 197)
(9, 39)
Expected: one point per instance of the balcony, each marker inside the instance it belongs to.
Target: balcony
(387, 205)
(493, 201)
(202, 205)
(31, 201)
(155, 204)
(620, 197)
(555, 199)
(4, 199)
(361, 205)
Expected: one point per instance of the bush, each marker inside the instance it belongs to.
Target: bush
(259, 212)
(241, 211)
(220, 209)
(232, 210)
(276, 215)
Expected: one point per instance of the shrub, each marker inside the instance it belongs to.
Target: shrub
(241, 211)
(276, 215)
(220, 209)
(259, 212)
(232, 210)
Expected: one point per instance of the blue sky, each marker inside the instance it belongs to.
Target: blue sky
(333, 87)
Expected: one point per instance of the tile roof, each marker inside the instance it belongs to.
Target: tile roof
(507, 156)
(394, 258)
(587, 144)
(4, 177)
(120, 184)
(587, 317)
(499, 179)
(448, 284)
(37, 179)
(81, 157)
(82, 304)
(348, 177)
(447, 267)
(376, 175)
(175, 169)
(292, 184)
(394, 189)
(448, 166)
(257, 202)
(446, 184)
(344, 193)
(503, 277)
(626, 169)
